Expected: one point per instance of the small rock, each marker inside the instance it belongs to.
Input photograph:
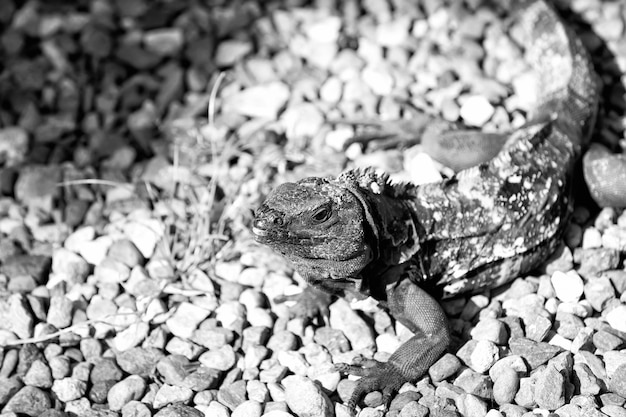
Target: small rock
(445, 367)
(325, 29)
(164, 41)
(604, 341)
(39, 375)
(302, 121)
(60, 311)
(304, 397)
(179, 410)
(617, 382)
(549, 389)
(68, 389)
(231, 51)
(13, 145)
(614, 237)
(535, 353)
(37, 188)
(186, 319)
(169, 394)
(249, 408)
(394, 32)
(126, 252)
(616, 317)
(343, 318)
(474, 383)
(233, 394)
(221, 359)
(561, 260)
(505, 386)
(490, 329)
(263, 101)
(585, 381)
(30, 401)
(476, 110)
(69, 266)
(139, 361)
(568, 325)
(16, 316)
(93, 251)
(594, 261)
(471, 406)
(568, 286)
(538, 329)
(128, 389)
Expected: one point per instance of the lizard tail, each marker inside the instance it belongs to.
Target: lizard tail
(568, 85)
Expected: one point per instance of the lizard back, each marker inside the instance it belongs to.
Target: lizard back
(499, 219)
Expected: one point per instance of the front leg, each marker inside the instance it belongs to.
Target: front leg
(421, 314)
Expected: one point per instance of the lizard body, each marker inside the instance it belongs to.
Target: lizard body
(360, 233)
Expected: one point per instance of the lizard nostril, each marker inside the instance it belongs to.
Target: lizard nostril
(278, 221)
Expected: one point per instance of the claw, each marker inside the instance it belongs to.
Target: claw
(375, 376)
(310, 303)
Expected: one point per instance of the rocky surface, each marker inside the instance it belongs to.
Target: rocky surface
(129, 169)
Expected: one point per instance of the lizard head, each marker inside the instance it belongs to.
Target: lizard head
(319, 225)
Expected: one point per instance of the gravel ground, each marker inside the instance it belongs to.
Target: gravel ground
(136, 138)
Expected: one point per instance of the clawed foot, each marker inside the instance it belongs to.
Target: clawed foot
(311, 303)
(375, 376)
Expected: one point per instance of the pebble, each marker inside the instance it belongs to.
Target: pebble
(31, 401)
(231, 51)
(505, 385)
(568, 286)
(69, 266)
(304, 397)
(617, 381)
(68, 389)
(39, 375)
(323, 30)
(13, 145)
(168, 394)
(128, 389)
(585, 381)
(294, 361)
(164, 41)
(16, 316)
(535, 353)
(186, 319)
(479, 355)
(358, 332)
(476, 110)
(616, 317)
(474, 383)
(302, 121)
(94, 251)
(379, 79)
(249, 408)
(221, 359)
(264, 101)
(139, 361)
(490, 329)
(472, 406)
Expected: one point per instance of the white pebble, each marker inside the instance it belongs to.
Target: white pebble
(568, 286)
(617, 318)
(476, 110)
(378, 79)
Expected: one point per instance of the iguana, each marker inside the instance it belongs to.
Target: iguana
(501, 217)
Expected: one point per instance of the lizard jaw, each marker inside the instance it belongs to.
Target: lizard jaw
(259, 232)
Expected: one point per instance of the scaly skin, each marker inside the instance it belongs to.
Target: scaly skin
(359, 233)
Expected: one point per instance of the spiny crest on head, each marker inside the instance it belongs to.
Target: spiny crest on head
(377, 182)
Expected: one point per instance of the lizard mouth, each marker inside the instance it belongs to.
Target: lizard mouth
(259, 232)
(335, 285)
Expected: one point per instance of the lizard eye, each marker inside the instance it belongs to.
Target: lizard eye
(321, 215)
